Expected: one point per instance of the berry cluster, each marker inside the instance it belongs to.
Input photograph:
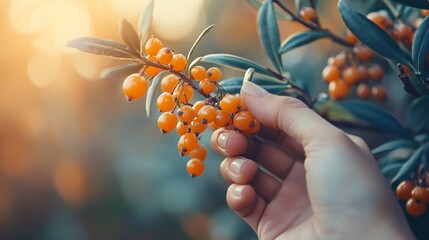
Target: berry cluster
(219, 110)
(357, 68)
(415, 195)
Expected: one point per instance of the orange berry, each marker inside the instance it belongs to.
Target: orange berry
(150, 70)
(363, 73)
(242, 120)
(207, 114)
(165, 102)
(185, 114)
(403, 190)
(199, 153)
(214, 74)
(198, 73)
(187, 143)
(363, 53)
(308, 14)
(198, 105)
(338, 89)
(169, 82)
(402, 31)
(181, 128)
(195, 167)
(134, 86)
(363, 91)
(419, 193)
(197, 126)
(164, 56)
(331, 73)
(379, 19)
(167, 122)
(338, 60)
(350, 75)
(231, 103)
(407, 70)
(183, 93)
(425, 12)
(376, 72)
(351, 38)
(415, 207)
(255, 126)
(223, 119)
(207, 86)
(153, 45)
(379, 93)
(178, 63)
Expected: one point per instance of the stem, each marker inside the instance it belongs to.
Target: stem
(392, 8)
(314, 27)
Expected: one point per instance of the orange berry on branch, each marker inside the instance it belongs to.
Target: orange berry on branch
(376, 72)
(178, 63)
(195, 167)
(207, 114)
(351, 38)
(150, 70)
(419, 193)
(415, 207)
(207, 86)
(197, 126)
(199, 73)
(167, 122)
(331, 73)
(164, 56)
(185, 114)
(187, 143)
(363, 73)
(403, 190)
(242, 120)
(183, 93)
(214, 74)
(379, 93)
(255, 126)
(169, 82)
(402, 31)
(338, 60)
(199, 153)
(379, 19)
(153, 45)
(198, 105)
(363, 53)
(223, 119)
(308, 14)
(165, 102)
(182, 128)
(338, 89)
(134, 86)
(363, 91)
(231, 103)
(350, 75)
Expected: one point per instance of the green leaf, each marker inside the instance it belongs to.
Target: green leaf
(389, 160)
(129, 35)
(372, 35)
(269, 33)
(120, 70)
(335, 112)
(391, 170)
(144, 22)
(151, 91)
(393, 145)
(300, 39)
(410, 165)
(101, 46)
(418, 114)
(421, 46)
(233, 85)
(202, 34)
(414, 3)
(280, 15)
(376, 116)
(236, 62)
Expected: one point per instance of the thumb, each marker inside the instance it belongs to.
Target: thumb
(287, 114)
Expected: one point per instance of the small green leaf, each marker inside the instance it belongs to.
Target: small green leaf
(335, 112)
(418, 114)
(120, 70)
(300, 39)
(415, 3)
(233, 85)
(393, 145)
(144, 22)
(391, 170)
(376, 116)
(101, 46)
(389, 160)
(129, 35)
(372, 35)
(410, 165)
(202, 34)
(421, 47)
(236, 62)
(151, 91)
(269, 33)
(280, 15)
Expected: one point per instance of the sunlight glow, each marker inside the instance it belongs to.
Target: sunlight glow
(44, 69)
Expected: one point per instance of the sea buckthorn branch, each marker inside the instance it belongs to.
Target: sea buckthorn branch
(314, 26)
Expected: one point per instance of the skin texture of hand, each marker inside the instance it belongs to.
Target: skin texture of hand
(327, 184)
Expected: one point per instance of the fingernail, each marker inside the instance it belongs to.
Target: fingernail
(237, 191)
(223, 140)
(236, 165)
(253, 90)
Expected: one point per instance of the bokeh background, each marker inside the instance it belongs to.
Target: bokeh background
(79, 162)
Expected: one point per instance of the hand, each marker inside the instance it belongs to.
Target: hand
(324, 184)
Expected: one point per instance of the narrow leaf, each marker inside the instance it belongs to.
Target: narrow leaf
(371, 35)
(415, 3)
(120, 70)
(233, 85)
(129, 35)
(389, 160)
(376, 116)
(102, 46)
(236, 62)
(391, 170)
(418, 114)
(280, 15)
(144, 22)
(409, 166)
(421, 46)
(300, 39)
(202, 34)
(269, 33)
(393, 145)
(151, 91)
